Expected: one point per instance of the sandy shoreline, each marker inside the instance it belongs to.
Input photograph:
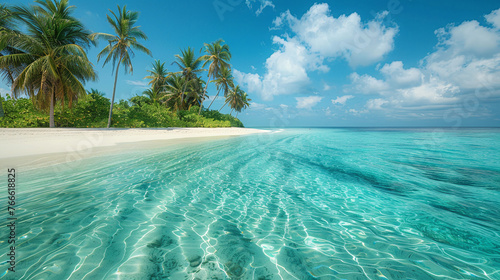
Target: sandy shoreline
(19, 143)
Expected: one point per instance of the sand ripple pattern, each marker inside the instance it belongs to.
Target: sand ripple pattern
(300, 204)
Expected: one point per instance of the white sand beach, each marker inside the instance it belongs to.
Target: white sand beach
(21, 143)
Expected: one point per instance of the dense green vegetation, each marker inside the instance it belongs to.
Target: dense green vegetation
(92, 111)
(43, 56)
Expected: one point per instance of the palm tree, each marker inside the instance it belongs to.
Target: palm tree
(243, 103)
(232, 96)
(189, 66)
(158, 75)
(50, 57)
(237, 99)
(218, 56)
(95, 92)
(6, 26)
(174, 96)
(120, 47)
(6, 18)
(224, 82)
(195, 93)
(153, 94)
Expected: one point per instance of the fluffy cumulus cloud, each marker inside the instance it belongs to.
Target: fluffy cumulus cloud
(345, 36)
(494, 18)
(308, 102)
(314, 38)
(286, 70)
(466, 61)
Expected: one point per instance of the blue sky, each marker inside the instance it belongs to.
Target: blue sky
(330, 63)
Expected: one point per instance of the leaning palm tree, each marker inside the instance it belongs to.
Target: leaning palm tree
(218, 56)
(50, 56)
(120, 47)
(243, 103)
(224, 82)
(232, 97)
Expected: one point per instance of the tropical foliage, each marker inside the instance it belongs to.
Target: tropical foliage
(91, 110)
(48, 61)
(120, 47)
(218, 56)
(43, 55)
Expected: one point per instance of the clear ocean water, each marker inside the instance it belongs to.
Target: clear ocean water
(298, 204)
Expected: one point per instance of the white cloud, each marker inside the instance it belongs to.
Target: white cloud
(328, 112)
(356, 112)
(342, 99)
(466, 61)
(326, 87)
(396, 74)
(307, 102)
(375, 104)
(469, 38)
(494, 18)
(257, 106)
(346, 36)
(286, 70)
(367, 84)
(317, 37)
(395, 77)
(136, 83)
(252, 82)
(263, 4)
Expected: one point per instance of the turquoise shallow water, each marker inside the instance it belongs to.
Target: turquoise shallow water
(299, 204)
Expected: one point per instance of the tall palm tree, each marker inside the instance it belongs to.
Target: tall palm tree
(120, 47)
(189, 65)
(50, 57)
(7, 25)
(224, 81)
(218, 56)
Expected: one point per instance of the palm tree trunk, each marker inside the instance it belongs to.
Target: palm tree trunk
(51, 120)
(184, 93)
(2, 113)
(203, 97)
(231, 112)
(213, 100)
(223, 106)
(114, 90)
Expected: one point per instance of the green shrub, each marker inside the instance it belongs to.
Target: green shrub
(216, 115)
(22, 113)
